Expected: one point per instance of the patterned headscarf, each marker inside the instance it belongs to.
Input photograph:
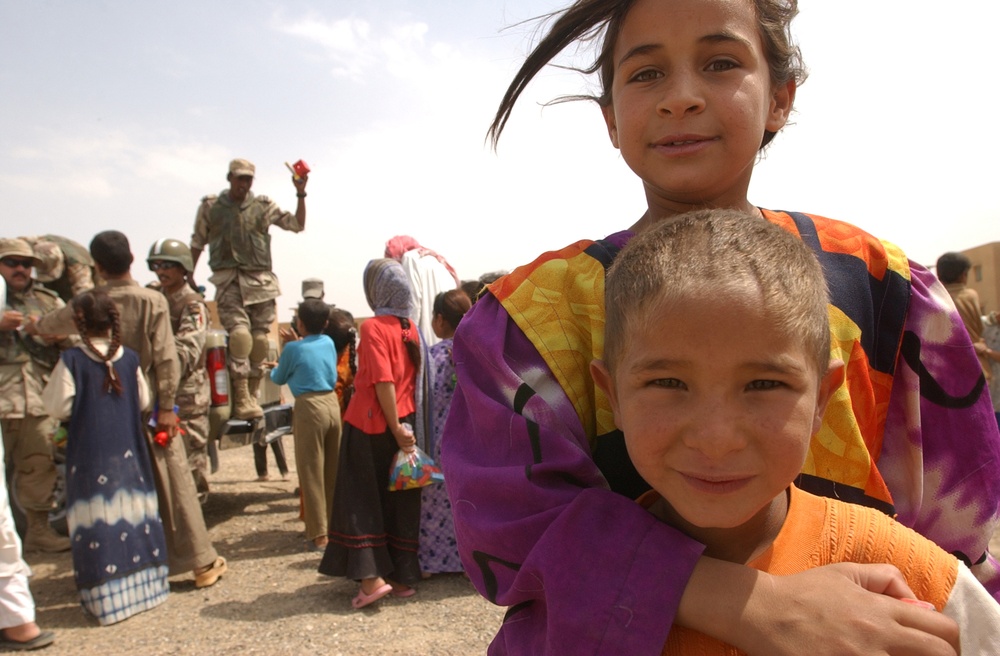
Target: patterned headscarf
(400, 244)
(387, 288)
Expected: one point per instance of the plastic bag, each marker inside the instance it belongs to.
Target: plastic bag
(413, 469)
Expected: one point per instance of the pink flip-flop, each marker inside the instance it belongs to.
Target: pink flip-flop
(363, 600)
(409, 592)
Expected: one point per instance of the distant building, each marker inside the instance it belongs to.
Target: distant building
(985, 274)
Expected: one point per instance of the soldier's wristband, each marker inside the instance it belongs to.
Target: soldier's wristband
(301, 194)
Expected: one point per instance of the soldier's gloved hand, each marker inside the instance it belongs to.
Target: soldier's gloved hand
(11, 320)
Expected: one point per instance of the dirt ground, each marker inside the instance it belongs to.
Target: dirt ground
(272, 601)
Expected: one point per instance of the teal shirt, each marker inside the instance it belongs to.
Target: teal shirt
(308, 365)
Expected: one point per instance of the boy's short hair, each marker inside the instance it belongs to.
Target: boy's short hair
(314, 314)
(701, 253)
(111, 251)
(951, 266)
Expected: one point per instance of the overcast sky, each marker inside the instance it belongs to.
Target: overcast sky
(123, 114)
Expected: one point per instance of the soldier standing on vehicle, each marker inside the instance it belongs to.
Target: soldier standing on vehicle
(25, 365)
(171, 261)
(234, 225)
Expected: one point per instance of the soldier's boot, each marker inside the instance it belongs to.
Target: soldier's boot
(40, 536)
(253, 386)
(245, 406)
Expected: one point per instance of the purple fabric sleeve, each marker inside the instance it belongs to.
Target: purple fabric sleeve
(585, 570)
(941, 449)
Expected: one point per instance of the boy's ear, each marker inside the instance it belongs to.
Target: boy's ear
(828, 384)
(602, 378)
(611, 122)
(782, 100)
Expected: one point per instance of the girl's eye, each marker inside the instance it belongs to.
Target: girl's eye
(720, 65)
(646, 75)
(760, 385)
(669, 383)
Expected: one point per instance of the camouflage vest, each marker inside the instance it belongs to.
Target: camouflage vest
(238, 236)
(15, 346)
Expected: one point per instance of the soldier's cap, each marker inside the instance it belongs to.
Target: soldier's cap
(240, 167)
(312, 288)
(51, 262)
(16, 247)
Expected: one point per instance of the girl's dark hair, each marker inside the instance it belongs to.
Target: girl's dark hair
(412, 346)
(452, 305)
(588, 20)
(94, 313)
(341, 330)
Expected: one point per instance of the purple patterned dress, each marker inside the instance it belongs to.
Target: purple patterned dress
(438, 548)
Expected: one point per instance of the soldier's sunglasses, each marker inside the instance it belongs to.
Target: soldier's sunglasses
(156, 266)
(14, 262)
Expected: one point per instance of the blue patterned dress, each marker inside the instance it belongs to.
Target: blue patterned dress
(438, 547)
(119, 550)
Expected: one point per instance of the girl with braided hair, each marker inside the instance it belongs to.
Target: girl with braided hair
(119, 549)
(374, 533)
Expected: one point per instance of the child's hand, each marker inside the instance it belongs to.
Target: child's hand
(287, 335)
(269, 364)
(405, 439)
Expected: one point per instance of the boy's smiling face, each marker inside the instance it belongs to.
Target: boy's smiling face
(717, 408)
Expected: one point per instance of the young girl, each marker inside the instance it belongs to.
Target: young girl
(119, 550)
(344, 335)
(438, 549)
(374, 533)
(691, 91)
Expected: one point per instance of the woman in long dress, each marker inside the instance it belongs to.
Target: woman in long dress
(374, 533)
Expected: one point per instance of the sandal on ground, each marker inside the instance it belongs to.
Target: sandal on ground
(211, 575)
(43, 639)
(363, 600)
(402, 594)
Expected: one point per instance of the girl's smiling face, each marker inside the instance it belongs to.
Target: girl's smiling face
(691, 99)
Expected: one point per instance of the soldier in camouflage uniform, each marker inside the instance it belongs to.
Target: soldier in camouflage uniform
(25, 365)
(234, 225)
(64, 265)
(171, 261)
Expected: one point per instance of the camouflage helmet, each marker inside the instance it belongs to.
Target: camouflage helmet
(171, 250)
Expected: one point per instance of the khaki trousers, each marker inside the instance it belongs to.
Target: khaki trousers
(316, 428)
(188, 545)
(27, 443)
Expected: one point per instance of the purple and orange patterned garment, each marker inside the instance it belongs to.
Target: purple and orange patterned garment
(531, 449)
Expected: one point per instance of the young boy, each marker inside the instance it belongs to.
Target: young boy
(309, 366)
(717, 366)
